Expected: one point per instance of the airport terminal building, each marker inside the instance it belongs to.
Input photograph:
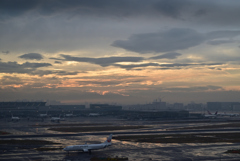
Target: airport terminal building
(105, 107)
(224, 106)
(21, 105)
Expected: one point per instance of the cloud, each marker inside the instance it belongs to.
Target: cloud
(165, 66)
(167, 56)
(89, 27)
(31, 69)
(219, 42)
(12, 8)
(193, 64)
(77, 95)
(222, 34)
(35, 65)
(102, 61)
(101, 83)
(14, 67)
(116, 61)
(48, 72)
(32, 56)
(215, 11)
(171, 8)
(196, 88)
(114, 77)
(62, 25)
(58, 62)
(171, 40)
(10, 80)
(132, 66)
(122, 8)
(5, 52)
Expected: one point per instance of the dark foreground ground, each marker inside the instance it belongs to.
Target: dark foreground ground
(145, 145)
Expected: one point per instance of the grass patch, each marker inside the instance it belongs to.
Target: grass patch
(91, 129)
(183, 138)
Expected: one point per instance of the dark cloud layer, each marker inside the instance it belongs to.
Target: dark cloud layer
(114, 61)
(5, 52)
(171, 40)
(215, 10)
(47, 72)
(31, 69)
(166, 66)
(90, 7)
(9, 8)
(9, 80)
(171, 8)
(174, 39)
(219, 42)
(14, 67)
(167, 56)
(32, 56)
(196, 89)
(102, 61)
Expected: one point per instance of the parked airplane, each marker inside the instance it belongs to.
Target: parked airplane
(69, 114)
(43, 114)
(229, 114)
(15, 118)
(56, 119)
(210, 115)
(94, 114)
(89, 147)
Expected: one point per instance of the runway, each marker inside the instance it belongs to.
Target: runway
(121, 133)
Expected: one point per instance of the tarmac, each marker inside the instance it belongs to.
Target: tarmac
(131, 150)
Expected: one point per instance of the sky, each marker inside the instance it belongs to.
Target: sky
(120, 51)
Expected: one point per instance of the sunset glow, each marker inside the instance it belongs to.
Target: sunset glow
(78, 52)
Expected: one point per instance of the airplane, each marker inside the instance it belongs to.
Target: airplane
(89, 147)
(43, 114)
(69, 114)
(15, 118)
(56, 119)
(229, 114)
(94, 114)
(210, 115)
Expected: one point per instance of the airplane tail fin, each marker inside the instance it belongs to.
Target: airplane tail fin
(209, 113)
(216, 112)
(109, 139)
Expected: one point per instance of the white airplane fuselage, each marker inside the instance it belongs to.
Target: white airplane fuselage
(210, 116)
(229, 114)
(15, 118)
(89, 147)
(57, 119)
(69, 115)
(43, 115)
(94, 114)
(86, 147)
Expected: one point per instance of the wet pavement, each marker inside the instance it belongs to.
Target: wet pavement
(133, 151)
